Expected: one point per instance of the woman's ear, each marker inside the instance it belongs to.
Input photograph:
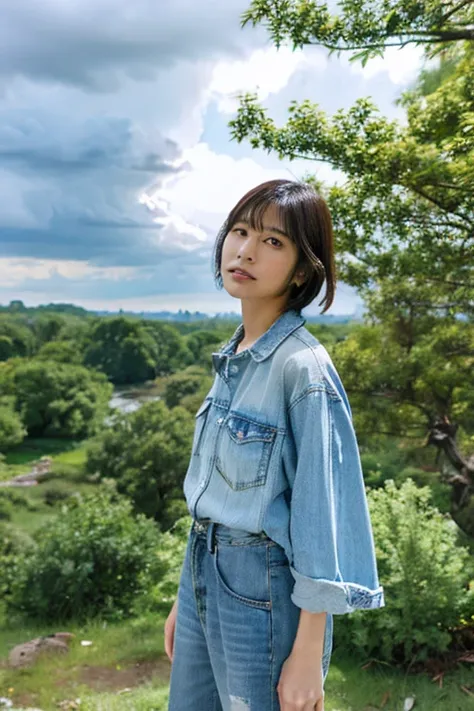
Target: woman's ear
(300, 277)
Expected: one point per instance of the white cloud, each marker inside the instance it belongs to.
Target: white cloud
(402, 65)
(206, 193)
(16, 271)
(266, 71)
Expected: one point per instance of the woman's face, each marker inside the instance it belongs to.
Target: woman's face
(268, 257)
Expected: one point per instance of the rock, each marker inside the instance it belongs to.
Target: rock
(25, 654)
(409, 703)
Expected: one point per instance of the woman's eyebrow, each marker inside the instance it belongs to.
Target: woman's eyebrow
(265, 228)
(277, 230)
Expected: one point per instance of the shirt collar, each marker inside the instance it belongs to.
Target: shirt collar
(268, 342)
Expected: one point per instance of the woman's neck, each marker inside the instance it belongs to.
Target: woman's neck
(256, 319)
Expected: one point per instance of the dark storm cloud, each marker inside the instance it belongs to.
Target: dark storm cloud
(84, 180)
(91, 43)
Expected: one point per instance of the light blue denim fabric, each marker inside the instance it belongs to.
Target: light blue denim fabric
(236, 623)
(275, 451)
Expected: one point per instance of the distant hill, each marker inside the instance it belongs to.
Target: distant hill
(18, 307)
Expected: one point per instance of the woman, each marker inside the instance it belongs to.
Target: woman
(281, 538)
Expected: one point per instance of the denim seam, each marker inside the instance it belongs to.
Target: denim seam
(240, 416)
(260, 481)
(269, 574)
(319, 387)
(203, 413)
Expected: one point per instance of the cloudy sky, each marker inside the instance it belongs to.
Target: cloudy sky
(116, 166)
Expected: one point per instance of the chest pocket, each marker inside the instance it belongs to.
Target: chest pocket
(244, 452)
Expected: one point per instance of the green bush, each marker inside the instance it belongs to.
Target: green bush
(423, 572)
(171, 555)
(12, 430)
(14, 543)
(9, 499)
(95, 558)
(53, 496)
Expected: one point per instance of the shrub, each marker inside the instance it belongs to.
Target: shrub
(171, 555)
(52, 496)
(12, 431)
(423, 572)
(14, 543)
(95, 558)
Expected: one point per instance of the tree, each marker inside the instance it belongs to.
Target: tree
(61, 351)
(147, 454)
(16, 339)
(172, 351)
(12, 430)
(186, 382)
(123, 349)
(57, 400)
(202, 344)
(404, 215)
(365, 27)
(408, 375)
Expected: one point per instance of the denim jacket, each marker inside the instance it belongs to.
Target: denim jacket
(275, 451)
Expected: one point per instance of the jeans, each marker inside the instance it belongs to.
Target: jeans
(236, 623)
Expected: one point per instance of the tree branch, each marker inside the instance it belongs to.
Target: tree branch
(430, 37)
(455, 9)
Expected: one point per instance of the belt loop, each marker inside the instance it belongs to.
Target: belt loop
(211, 544)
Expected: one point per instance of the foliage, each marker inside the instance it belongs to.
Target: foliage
(407, 372)
(95, 558)
(171, 555)
(423, 572)
(16, 339)
(367, 26)
(147, 454)
(14, 543)
(12, 430)
(186, 382)
(202, 344)
(411, 183)
(122, 349)
(172, 351)
(61, 351)
(58, 400)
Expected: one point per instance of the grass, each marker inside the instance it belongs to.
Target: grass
(103, 675)
(70, 479)
(33, 448)
(119, 656)
(351, 688)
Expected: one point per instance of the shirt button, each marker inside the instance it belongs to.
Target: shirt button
(220, 420)
(202, 484)
(234, 368)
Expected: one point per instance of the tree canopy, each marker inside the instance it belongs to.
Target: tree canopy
(365, 27)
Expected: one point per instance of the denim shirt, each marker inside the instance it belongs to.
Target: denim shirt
(275, 451)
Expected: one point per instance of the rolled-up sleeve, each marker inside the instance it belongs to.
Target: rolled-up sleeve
(333, 556)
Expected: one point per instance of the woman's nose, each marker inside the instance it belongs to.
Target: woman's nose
(247, 250)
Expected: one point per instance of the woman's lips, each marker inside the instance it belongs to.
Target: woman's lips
(240, 275)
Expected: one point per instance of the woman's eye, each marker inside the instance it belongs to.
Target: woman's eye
(240, 231)
(275, 242)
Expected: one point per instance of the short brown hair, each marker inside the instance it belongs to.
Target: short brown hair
(307, 222)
